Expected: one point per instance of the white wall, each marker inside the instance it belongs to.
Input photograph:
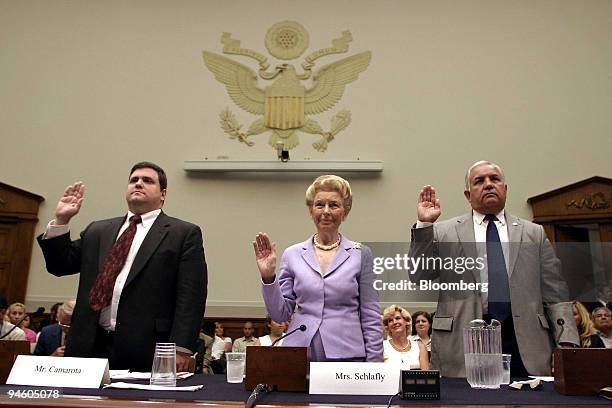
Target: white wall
(87, 88)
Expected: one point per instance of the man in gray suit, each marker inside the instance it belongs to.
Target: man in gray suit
(517, 280)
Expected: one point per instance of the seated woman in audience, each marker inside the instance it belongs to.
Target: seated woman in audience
(275, 331)
(16, 314)
(222, 344)
(411, 353)
(421, 328)
(586, 330)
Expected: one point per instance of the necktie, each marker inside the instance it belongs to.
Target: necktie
(101, 293)
(499, 290)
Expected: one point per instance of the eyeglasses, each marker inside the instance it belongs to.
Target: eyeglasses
(65, 326)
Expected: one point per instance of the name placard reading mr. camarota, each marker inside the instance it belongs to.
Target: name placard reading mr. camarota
(354, 378)
(72, 372)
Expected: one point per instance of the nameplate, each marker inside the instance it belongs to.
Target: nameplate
(354, 378)
(73, 372)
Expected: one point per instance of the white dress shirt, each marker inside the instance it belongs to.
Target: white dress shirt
(480, 236)
(108, 314)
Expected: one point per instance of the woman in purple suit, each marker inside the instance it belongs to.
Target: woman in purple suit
(325, 282)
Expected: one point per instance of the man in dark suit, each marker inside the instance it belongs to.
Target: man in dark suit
(143, 276)
(52, 338)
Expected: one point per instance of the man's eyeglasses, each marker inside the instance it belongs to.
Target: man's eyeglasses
(65, 326)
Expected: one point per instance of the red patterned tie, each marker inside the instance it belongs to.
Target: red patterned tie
(101, 293)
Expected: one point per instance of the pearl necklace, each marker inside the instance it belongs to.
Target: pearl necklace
(326, 247)
(400, 349)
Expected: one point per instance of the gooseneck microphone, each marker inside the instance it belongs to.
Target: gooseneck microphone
(301, 328)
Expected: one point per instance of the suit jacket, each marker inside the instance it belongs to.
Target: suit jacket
(342, 305)
(164, 294)
(49, 340)
(538, 293)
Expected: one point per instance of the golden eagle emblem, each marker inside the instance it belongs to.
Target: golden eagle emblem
(285, 105)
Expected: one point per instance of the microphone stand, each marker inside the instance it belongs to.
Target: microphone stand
(259, 390)
(561, 323)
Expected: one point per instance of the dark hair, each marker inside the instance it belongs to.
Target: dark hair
(3, 302)
(163, 180)
(208, 328)
(426, 315)
(267, 324)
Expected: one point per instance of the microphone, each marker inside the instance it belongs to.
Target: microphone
(301, 328)
(260, 389)
(560, 322)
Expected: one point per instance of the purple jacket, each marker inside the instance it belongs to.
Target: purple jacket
(342, 305)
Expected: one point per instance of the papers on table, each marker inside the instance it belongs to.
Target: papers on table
(545, 379)
(133, 375)
(534, 384)
(131, 386)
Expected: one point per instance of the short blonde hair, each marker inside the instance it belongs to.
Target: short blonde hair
(389, 312)
(330, 182)
(16, 304)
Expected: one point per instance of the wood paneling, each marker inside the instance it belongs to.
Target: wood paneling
(18, 218)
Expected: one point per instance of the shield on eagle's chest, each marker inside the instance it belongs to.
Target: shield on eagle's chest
(284, 106)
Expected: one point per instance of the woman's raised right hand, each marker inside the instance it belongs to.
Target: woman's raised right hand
(265, 255)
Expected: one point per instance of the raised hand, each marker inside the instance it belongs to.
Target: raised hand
(428, 207)
(265, 255)
(70, 203)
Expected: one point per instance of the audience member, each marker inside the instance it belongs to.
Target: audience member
(52, 339)
(17, 315)
(586, 330)
(241, 344)
(203, 356)
(421, 328)
(604, 299)
(602, 320)
(8, 331)
(221, 344)
(52, 317)
(400, 347)
(275, 331)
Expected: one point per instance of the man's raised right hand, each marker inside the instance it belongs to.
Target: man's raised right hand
(428, 207)
(70, 203)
